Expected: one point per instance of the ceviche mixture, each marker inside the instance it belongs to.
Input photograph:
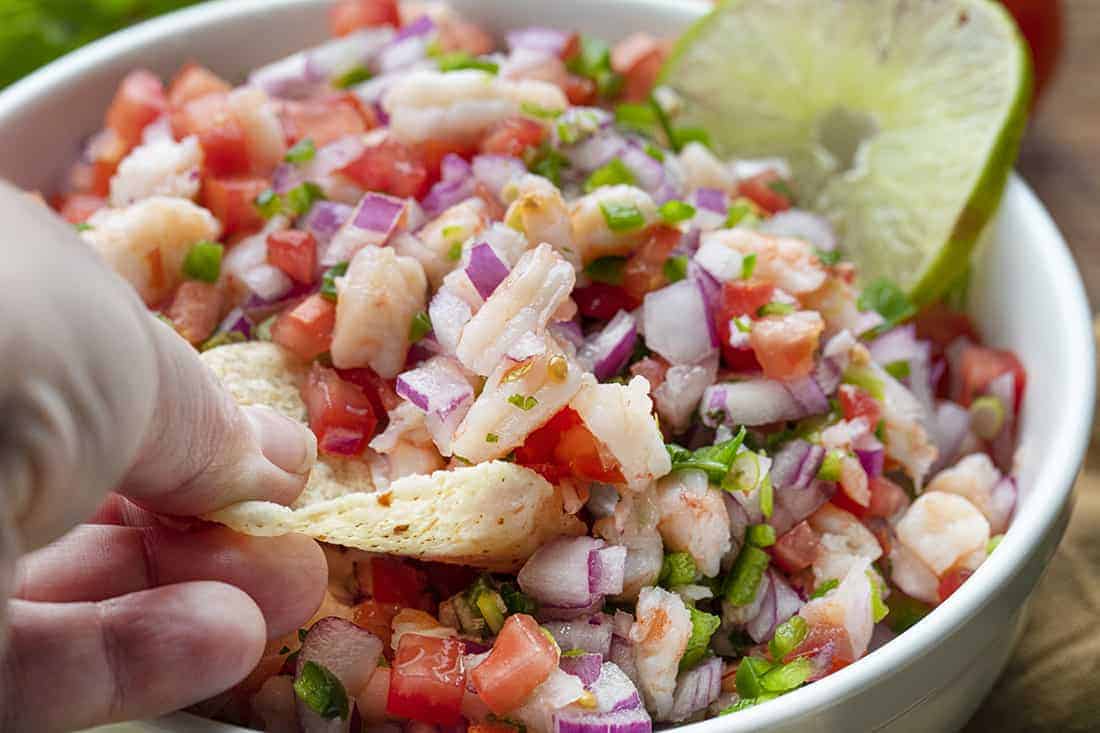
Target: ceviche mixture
(516, 254)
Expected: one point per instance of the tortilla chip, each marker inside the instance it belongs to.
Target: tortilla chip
(493, 515)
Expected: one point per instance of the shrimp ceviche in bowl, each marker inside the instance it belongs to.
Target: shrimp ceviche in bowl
(610, 434)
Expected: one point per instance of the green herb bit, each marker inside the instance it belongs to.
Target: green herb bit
(898, 369)
(492, 438)
(461, 60)
(994, 543)
(788, 635)
(742, 324)
(523, 402)
(516, 600)
(703, 626)
(879, 610)
(612, 173)
(622, 217)
(263, 331)
(328, 280)
(905, 612)
(573, 653)
(636, 117)
(685, 135)
(742, 212)
(419, 327)
(322, 691)
(782, 188)
(352, 77)
(889, 300)
(865, 378)
(987, 416)
(744, 579)
(548, 163)
(454, 252)
(787, 677)
(675, 268)
(674, 212)
(748, 266)
(203, 262)
(269, 203)
(830, 467)
(492, 608)
(538, 111)
(767, 497)
(760, 535)
(654, 152)
(749, 672)
(593, 58)
(299, 199)
(678, 568)
(302, 152)
(775, 309)
(827, 257)
(607, 270)
(715, 460)
(824, 587)
(83, 226)
(222, 339)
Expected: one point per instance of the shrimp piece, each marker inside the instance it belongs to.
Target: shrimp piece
(785, 345)
(516, 400)
(694, 519)
(406, 444)
(523, 303)
(263, 132)
(460, 106)
(836, 302)
(844, 613)
(788, 263)
(844, 543)
(907, 441)
(412, 621)
(911, 575)
(376, 302)
(160, 168)
(974, 478)
(701, 169)
(942, 530)
(679, 393)
(621, 417)
(537, 209)
(634, 526)
(660, 634)
(441, 240)
(147, 241)
(592, 235)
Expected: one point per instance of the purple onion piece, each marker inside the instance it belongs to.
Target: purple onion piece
(697, 689)
(711, 199)
(590, 633)
(550, 41)
(557, 574)
(570, 720)
(606, 568)
(486, 270)
(608, 351)
(586, 667)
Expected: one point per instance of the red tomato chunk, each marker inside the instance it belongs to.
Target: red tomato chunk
(140, 100)
(766, 190)
(340, 414)
(295, 253)
(521, 659)
(306, 330)
(427, 681)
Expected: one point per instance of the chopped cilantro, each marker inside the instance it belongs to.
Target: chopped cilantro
(328, 280)
(523, 402)
(685, 135)
(516, 600)
(612, 173)
(879, 610)
(782, 188)
(322, 691)
(674, 212)
(638, 117)
(898, 369)
(655, 152)
(890, 301)
(302, 152)
(419, 327)
(703, 626)
(827, 257)
(299, 199)
(203, 262)
(608, 270)
(461, 60)
(741, 212)
(748, 266)
(548, 163)
(268, 203)
(715, 460)
(83, 226)
(675, 268)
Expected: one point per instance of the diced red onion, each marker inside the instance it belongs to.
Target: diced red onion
(585, 667)
(591, 634)
(375, 219)
(606, 352)
(755, 401)
(809, 395)
(550, 41)
(437, 386)
(568, 332)
(1003, 503)
(679, 394)
(559, 690)
(621, 623)
(552, 612)
(677, 323)
(403, 53)
(605, 570)
(792, 505)
(711, 199)
(827, 375)
(649, 173)
(455, 186)
(762, 624)
(622, 656)
(293, 77)
(614, 690)
(267, 281)
(866, 321)
(257, 309)
(711, 292)
(804, 225)
(448, 314)
(350, 652)
(497, 171)
(595, 151)
(336, 155)
(697, 689)
(421, 26)
(236, 322)
(719, 260)
(624, 721)
(486, 270)
(872, 461)
(325, 218)
(787, 600)
(1003, 448)
(796, 464)
(286, 177)
(557, 574)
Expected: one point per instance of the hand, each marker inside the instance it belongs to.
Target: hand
(132, 615)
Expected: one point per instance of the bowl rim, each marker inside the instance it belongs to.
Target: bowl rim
(1026, 532)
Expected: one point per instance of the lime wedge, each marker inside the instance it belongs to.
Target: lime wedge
(901, 118)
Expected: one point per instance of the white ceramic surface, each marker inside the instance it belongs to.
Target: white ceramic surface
(1026, 294)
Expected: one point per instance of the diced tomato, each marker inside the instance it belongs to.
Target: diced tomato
(761, 190)
(105, 151)
(638, 58)
(140, 99)
(785, 345)
(820, 637)
(295, 253)
(325, 120)
(396, 581)
(513, 137)
(376, 618)
(196, 309)
(842, 501)
(603, 301)
(390, 167)
(459, 35)
(523, 656)
(194, 81)
(653, 368)
(427, 680)
(348, 16)
(797, 548)
(306, 329)
(224, 149)
(856, 403)
(76, 208)
(380, 391)
(491, 727)
(340, 415)
(644, 272)
(432, 152)
(446, 579)
(942, 325)
(980, 365)
(887, 498)
(744, 298)
(952, 581)
(233, 202)
(579, 90)
(563, 447)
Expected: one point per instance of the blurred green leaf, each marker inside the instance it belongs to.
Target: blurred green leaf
(35, 32)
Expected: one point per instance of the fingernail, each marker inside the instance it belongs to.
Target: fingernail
(288, 444)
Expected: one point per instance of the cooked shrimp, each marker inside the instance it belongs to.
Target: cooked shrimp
(263, 132)
(406, 445)
(660, 634)
(442, 238)
(788, 263)
(147, 241)
(942, 530)
(634, 526)
(537, 209)
(376, 302)
(621, 417)
(592, 234)
(701, 169)
(907, 441)
(460, 106)
(524, 302)
(160, 168)
(845, 612)
(694, 519)
(845, 543)
(974, 478)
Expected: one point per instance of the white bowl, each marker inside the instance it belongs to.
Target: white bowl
(1026, 295)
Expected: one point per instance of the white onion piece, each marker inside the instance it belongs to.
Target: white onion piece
(676, 323)
(614, 690)
(697, 689)
(591, 634)
(267, 281)
(756, 401)
(680, 393)
(550, 41)
(803, 225)
(375, 219)
(749, 167)
(557, 574)
(721, 261)
(448, 314)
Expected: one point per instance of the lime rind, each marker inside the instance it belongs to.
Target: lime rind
(945, 84)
